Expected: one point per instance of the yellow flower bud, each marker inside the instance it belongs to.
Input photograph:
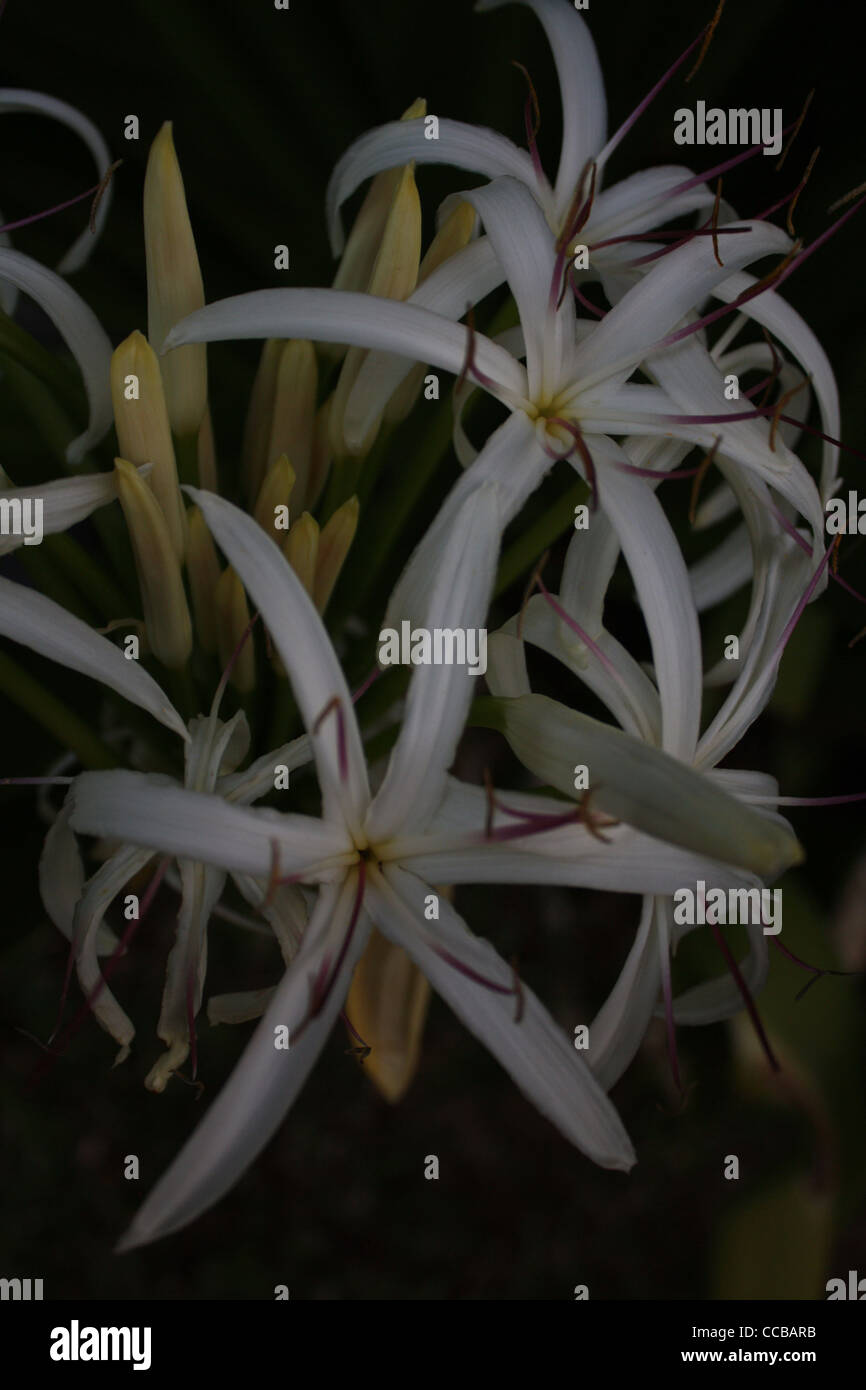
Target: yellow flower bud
(272, 504)
(387, 1004)
(394, 276)
(204, 572)
(174, 284)
(320, 457)
(453, 235)
(233, 619)
(166, 615)
(301, 549)
(143, 430)
(334, 545)
(282, 412)
(257, 430)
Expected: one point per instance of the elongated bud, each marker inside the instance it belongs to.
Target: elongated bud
(174, 284)
(394, 276)
(320, 457)
(272, 504)
(257, 429)
(302, 550)
(293, 412)
(204, 571)
(208, 477)
(233, 619)
(453, 235)
(143, 430)
(387, 1004)
(166, 615)
(362, 245)
(334, 545)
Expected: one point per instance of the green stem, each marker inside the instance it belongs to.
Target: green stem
(538, 537)
(69, 730)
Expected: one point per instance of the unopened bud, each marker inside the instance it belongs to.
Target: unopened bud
(302, 550)
(233, 620)
(174, 284)
(204, 572)
(387, 1003)
(166, 615)
(272, 505)
(143, 430)
(334, 544)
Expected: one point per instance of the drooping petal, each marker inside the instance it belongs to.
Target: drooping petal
(439, 695)
(338, 316)
(620, 1025)
(154, 811)
(305, 649)
(61, 879)
(64, 502)
(43, 625)
(513, 1025)
(463, 146)
(258, 1094)
(80, 329)
(644, 786)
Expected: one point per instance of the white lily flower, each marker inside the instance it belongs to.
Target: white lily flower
(368, 854)
(571, 628)
(573, 392)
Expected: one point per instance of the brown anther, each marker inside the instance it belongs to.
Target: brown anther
(711, 29)
(847, 197)
(533, 97)
(834, 559)
(795, 132)
(592, 820)
(715, 224)
(783, 401)
(273, 877)
(799, 189)
(100, 191)
(530, 590)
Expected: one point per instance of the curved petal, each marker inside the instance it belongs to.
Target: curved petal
(439, 696)
(153, 811)
(64, 502)
(305, 649)
(723, 570)
(620, 1025)
(638, 204)
(255, 1099)
(39, 103)
(581, 87)
(533, 1050)
(360, 320)
(61, 879)
(43, 625)
(463, 146)
(80, 329)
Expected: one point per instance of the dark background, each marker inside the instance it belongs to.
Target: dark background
(263, 103)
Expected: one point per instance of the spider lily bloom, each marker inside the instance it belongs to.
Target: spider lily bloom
(374, 859)
(574, 206)
(548, 737)
(371, 857)
(80, 329)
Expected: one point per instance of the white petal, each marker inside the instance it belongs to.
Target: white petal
(534, 1051)
(154, 811)
(638, 204)
(620, 1025)
(61, 879)
(305, 648)
(515, 461)
(258, 1094)
(80, 329)
(258, 779)
(40, 623)
(643, 786)
(723, 570)
(14, 99)
(64, 502)
(581, 86)
(463, 146)
(362, 320)
(439, 696)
